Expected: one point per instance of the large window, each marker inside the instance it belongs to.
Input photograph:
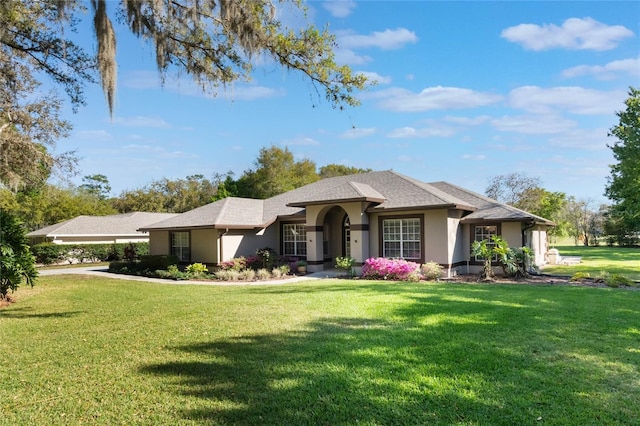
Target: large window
(294, 239)
(180, 246)
(401, 238)
(482, 233)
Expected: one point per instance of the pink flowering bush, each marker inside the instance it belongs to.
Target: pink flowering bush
(380, 268)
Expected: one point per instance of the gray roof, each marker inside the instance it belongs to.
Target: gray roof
(385, 190)
(126, 224)
(231, 212)
(488, 209)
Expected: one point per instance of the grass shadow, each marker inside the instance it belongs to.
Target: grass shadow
(445, 358)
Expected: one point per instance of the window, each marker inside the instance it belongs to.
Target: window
(482, 233)
(180, 246)
(401, 238)
(294, 239)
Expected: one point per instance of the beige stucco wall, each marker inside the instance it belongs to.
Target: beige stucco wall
(159, 242)
(236, 243)
(436, 230)
(512, 233)
(204, 245)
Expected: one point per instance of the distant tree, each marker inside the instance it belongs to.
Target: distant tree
(623, 187)
(52, 204)
(275, 172)
(333, 170)
(585, 223)
(514, 189)
(97, 185)
(169, 196)
(17, 264)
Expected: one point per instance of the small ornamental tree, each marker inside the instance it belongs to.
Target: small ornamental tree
(17, 264)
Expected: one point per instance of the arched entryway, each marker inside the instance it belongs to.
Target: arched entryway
(335, 230)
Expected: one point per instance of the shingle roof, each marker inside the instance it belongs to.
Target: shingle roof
(386, 190)
(488, 209)
(119, 225)
(231, 212)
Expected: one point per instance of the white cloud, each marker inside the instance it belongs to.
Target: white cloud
(583, 139)
(426, 132)
(432, 98)
(576, 100)
(386, 40)
(405, 158)
(574, 34)
(608, 71)
(468, 121)
(375, 77)
(533, 124)
(347, 56)
(305, 141)
(249, 93)
(141, 121)
(94, 135)
(340, 8)
(357, 133)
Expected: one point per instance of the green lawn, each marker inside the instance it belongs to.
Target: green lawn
(90, 350)
(595, 260)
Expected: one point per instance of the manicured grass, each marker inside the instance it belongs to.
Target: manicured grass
(82, 350)
(595, 260)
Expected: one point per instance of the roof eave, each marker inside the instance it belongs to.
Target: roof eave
(424, 207)
(336, 201)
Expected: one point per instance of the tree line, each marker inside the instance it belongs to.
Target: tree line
(274, 171)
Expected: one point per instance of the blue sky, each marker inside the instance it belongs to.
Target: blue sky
(466, 91)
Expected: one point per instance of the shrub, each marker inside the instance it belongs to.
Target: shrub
(119, 266)
(432, 271)
(48, 253)
(276, 273)
(579, 276)
(227, 275)
(154, 262)
(196, 269)
(263, 274)
(267, 256)
(345, 263)
(617, 280)
(235, 264)
(175, 273)
(388, 269)
(284, 269)
(248, 275)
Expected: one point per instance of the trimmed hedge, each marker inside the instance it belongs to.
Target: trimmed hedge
(50, 253)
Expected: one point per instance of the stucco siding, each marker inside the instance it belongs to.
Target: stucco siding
(436, 236)
(204, 245)
(236, 243)
(512, 233)
(159, 242)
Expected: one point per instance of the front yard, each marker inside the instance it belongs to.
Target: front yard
(80, 349)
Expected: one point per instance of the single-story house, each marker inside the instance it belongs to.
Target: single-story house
(376, 214)
(119, 228)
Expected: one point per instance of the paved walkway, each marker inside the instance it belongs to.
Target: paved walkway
(102, 271)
